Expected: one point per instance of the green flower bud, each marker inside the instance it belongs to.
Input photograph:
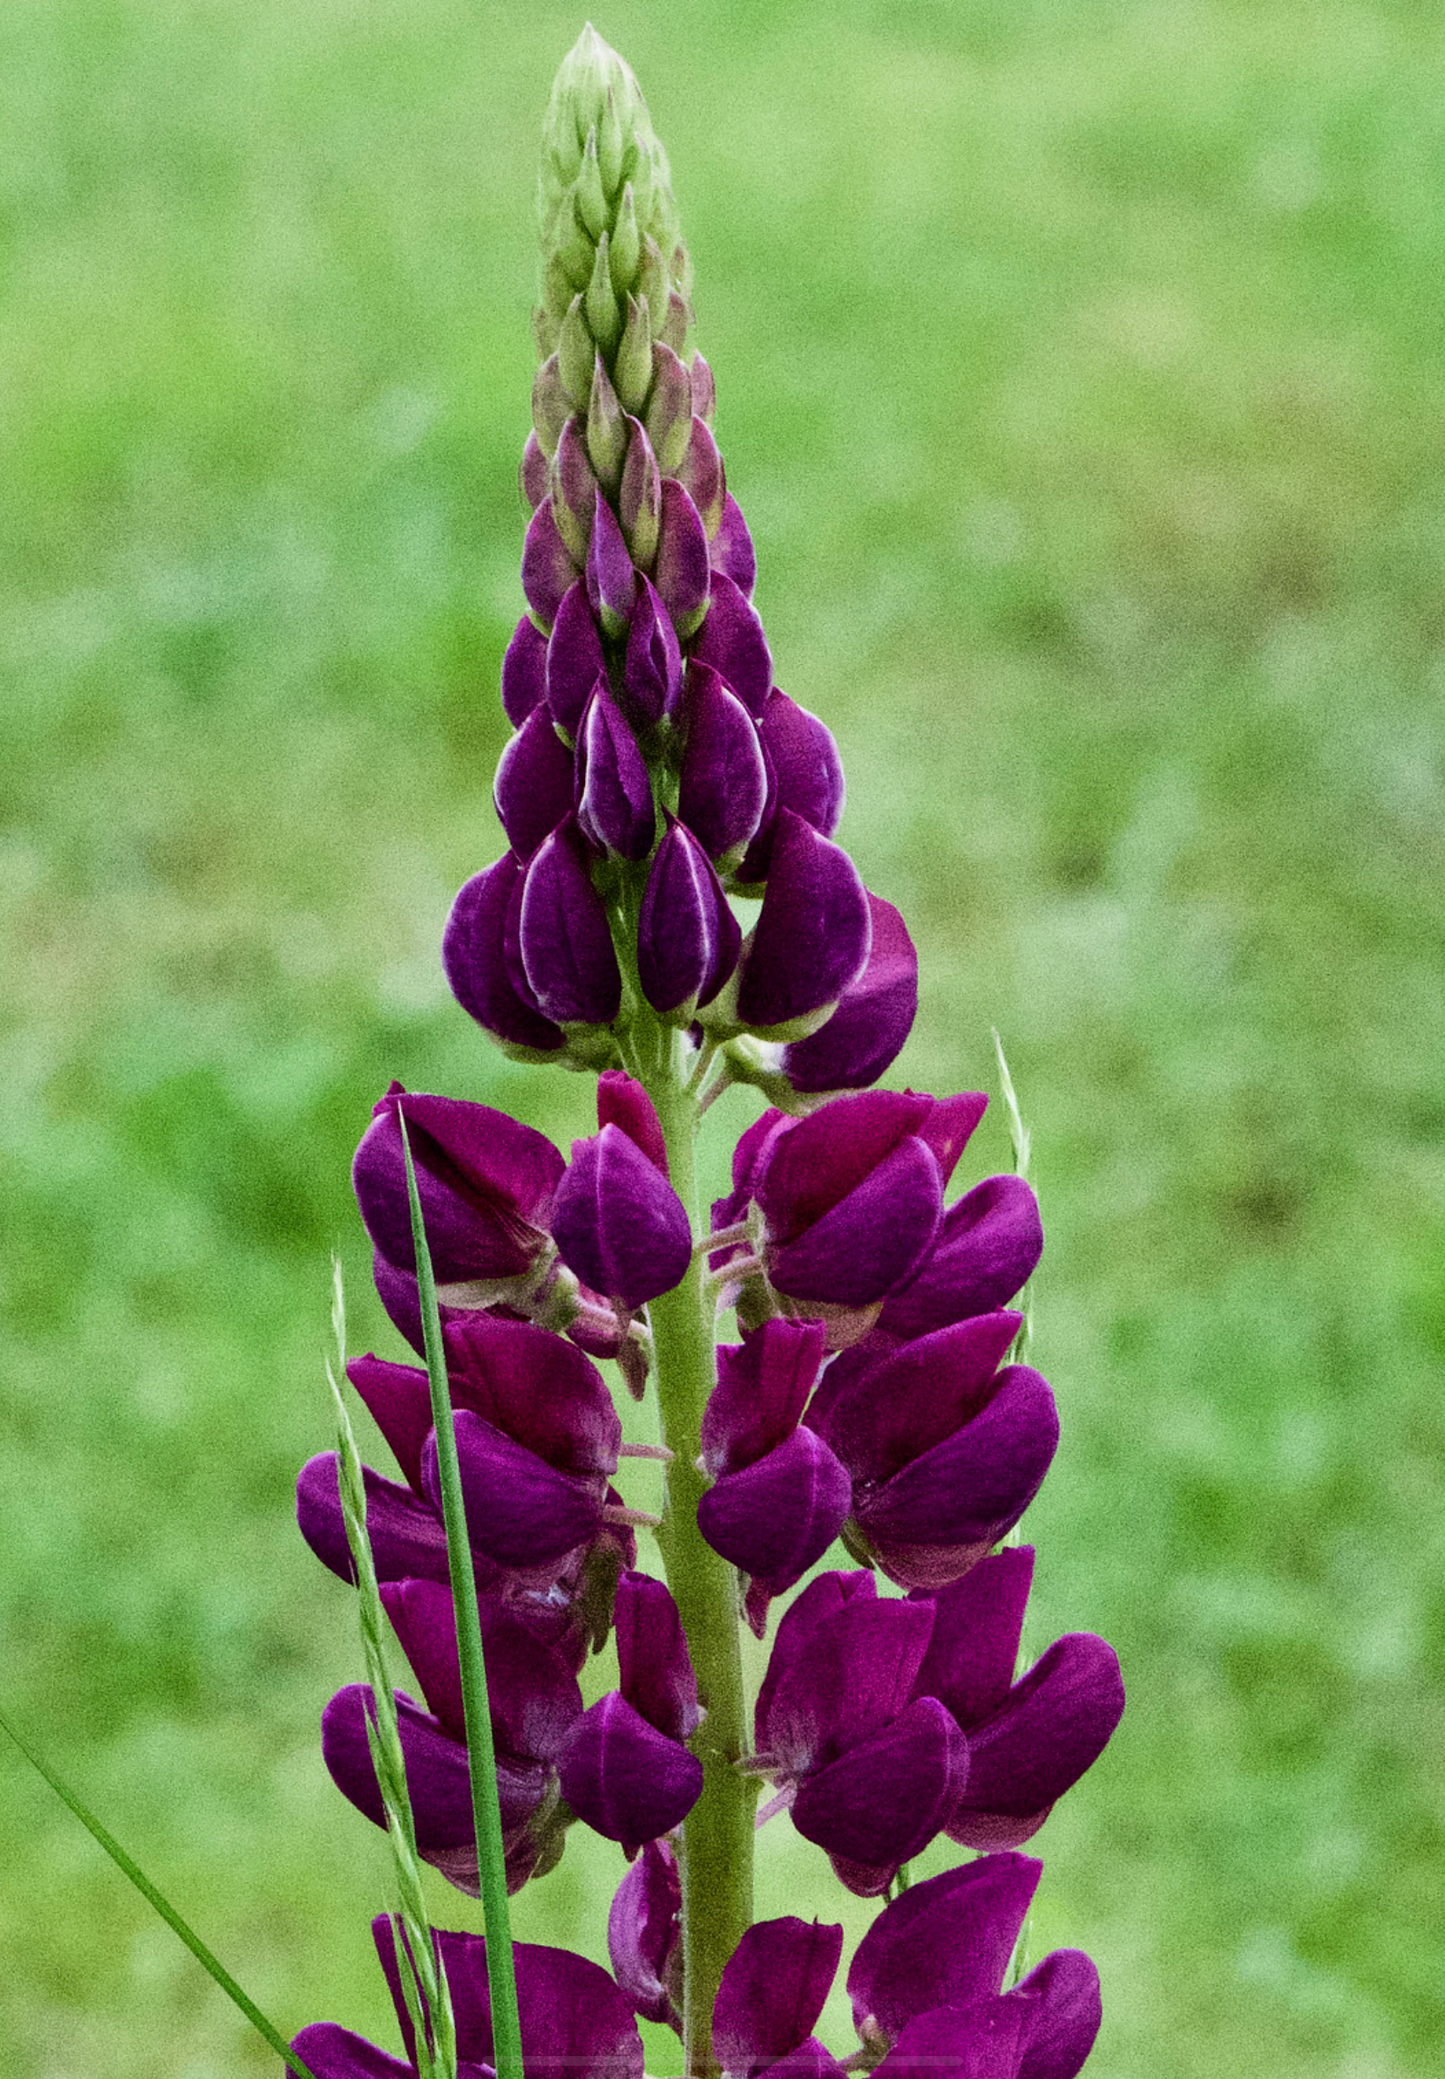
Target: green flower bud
(626, 244)
(558, 287)
(674, 330)
(550, 406)
(654, 283)
(603, 318)
(590, 201)
(611, 142)
(632, 370)
(575, 352)
(669, 411)
(606, 428)
(571, 245)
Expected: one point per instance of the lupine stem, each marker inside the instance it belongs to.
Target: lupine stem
(717, 1858)
(481, 1749)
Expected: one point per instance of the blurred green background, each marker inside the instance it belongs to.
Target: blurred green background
(1080, 370)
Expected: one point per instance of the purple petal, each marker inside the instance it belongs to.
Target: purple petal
(885, 1799)
(874, 1017)
(533, 787)
(566, 940)
(762, 1389)
(704, 389)
(844, 1674)
(521, 1512)
(547, 569)
(974, 1649)
(618, 1223)
(474, 957)
(655, 1673)
(802, 1167)
(986, 1251)
(437, 1776)
(687, 936)
(773, 1989)
(732, 548)
(574, 2020)
(724, 782)
(574, 660)
(404, 1532)
(682, 571)
(1058, 2033)
(871, 1239)
(398, 1399)
(733, 643)
(942, 1943)
(616, 807)
(534, 472)
(644, 1935)
(574, 488)
(977, 2042)
(806, 1616)
(524, 671)
(532, 1693)
(1053, 1725)
(611, 578)
(808, 773)
(622, 1102)
(398, 1295)
(778, 1516)
(893, 1412)
(536, 1388)
(625, 1780)
(812, 937)
(484, 1180)
(331, 2052)
(701, 472)
(652, 678)
(639, 500)
(669, 408)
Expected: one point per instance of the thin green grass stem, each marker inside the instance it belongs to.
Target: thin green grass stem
(162, 1905)
(481, 1752)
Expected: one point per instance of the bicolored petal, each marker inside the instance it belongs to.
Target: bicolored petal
(623, 1778)
(987, 1249)
(874, 1017)
(724, 782)
(565, 937)
(774, 1986)
(762, 1389)
(777, 1517)
(475, 962)
(1053, 1725)
(655, 1672)
(812, 936)
(618, 1223)
(942, 1943)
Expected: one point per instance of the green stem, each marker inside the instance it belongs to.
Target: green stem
(717, 1858)
(481, 1750)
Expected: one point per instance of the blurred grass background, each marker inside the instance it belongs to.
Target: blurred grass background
(1080, 367)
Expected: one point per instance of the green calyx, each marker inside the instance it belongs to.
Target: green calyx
(615, 275)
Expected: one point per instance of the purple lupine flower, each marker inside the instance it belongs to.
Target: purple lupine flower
(533, 787)
(474, 958)
(614, 806)
(875, 1014)
(485, 1181)
(682, 574)
(986, 1250)
(804, 774)
(644, 1935)
(652, 675)
(773, 1990)
(762, 1389)
(622, 1102)
(624, 1778)
(724, 782)
(733, 643)
(575, 663)
(811, 940)
(575, 2022)
(655, 1672)
(688, 939)
(945, 1450)
(732, 546)
(564, 936)
(618, 1222)
(547, 567)
(524, 671)
(611, 578)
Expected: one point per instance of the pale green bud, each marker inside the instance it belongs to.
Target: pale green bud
(632, 370)
(603, 317)
(611, 143)
(575, 351)
(606, 428)
(550, 406)
(626, 245)
(591, 202)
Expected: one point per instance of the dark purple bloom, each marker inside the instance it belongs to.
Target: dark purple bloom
(564, 935)
(669, 408)
(776, 1517)
(574, 660)
(639, 501)
(625, 1779)
(547, 568)
(474, 957)
(773, 1990)
(874, 1017)
(524, 671)
(682, 573)
(618, 1223)
(485, 1183)
(986, 1251)
(644, 1935)
(732, 549)
(404, 1531)
(533, 474)
(615, 808)
(946, 1451)
(522, 1511)
(611, 578)
(533, 786)
(655, 1672)
(701, 470)
(724, 782)
(733, 643)
(804, 774)
(762, 1389)
(622, 1101)
(687, 937)
(652, 677)
(811, 941)
(575, 2022)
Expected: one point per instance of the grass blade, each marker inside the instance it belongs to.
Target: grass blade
(481, 1753)
(162, 1905)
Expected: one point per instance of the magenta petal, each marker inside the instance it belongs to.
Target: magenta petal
(773, 1990)
(547, 569)
(800, 1168)
(644, 1935)
(616, 808)
(732, 548)
(892, 1412)
(534, 472)
(398, 1399)
(565, 937)
(521, 1512)
(618, 1223)
(974, 1649)
(332, 2052)
(474, 958)
(778, 1516)
(874, 1017)
(532, 1693)
(687, 937)
(871, 1239)
(1062, 1996)
(885, 1799)
(724, 782)
(943, 1943)
(732, 641)
(536, 1388)
(575, 2023)
(524, 671)
(574, 660)
(980, 2041)
(652, 676)
(845, 1672)
(655, 1672)
(533, 785)
(805, 759)
(611, 578)
(622, 1101)
(625, 1780)
(1052, 1726)
(404, 1532)
(812, 936)
(437, 1776)
(682, 571)
(701, 471)
(808, 1616)
(762, 1389)
(986, 1251)
(485, 1183)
